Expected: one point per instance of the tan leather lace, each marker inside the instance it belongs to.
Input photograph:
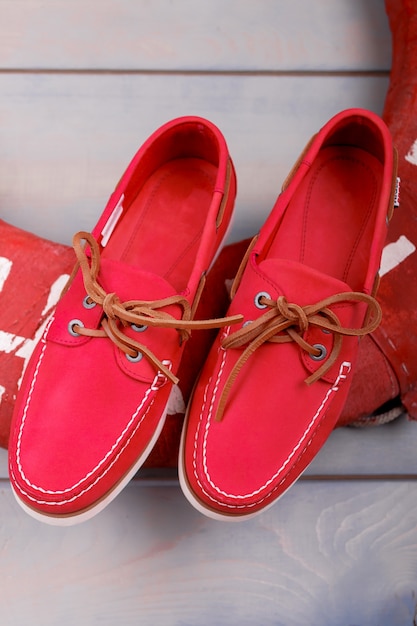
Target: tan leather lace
(284, 322)
(117, 314)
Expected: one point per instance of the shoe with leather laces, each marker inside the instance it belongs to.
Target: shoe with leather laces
(272, 388)
(95, 393)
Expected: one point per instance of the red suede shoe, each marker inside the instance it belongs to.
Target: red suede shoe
(271, 391)
(95, 393)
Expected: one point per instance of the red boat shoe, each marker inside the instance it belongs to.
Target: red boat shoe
(95, 393)
(271, 391)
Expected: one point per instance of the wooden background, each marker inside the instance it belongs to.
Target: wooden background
(82, 84)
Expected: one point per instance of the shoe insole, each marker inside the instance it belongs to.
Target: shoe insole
(329, 222)
(162, 228)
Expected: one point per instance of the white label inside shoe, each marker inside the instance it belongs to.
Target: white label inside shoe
(397, 193)
(112, 221)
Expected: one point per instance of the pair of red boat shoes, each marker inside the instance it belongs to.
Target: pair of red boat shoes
(96, 390)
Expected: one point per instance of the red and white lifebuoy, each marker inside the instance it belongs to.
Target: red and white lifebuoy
(387, 367)
(33, 272)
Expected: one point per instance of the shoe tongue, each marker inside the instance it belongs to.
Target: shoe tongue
(300, 283)
(132, 283)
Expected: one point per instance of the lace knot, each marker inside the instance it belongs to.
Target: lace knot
(288, 322)
(109, 304)
(293, 313)
(134, 312)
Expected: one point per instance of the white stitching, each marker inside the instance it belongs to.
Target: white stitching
(203, 406)
(103, 460)
(78, 495)
(343, 371)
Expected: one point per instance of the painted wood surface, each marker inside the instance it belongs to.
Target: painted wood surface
(82, 84)
(65, 140)
(373, 452)
(328, 554)
(193, 35)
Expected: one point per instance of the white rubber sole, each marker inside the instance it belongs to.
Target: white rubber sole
(198, 505)
(85, 515)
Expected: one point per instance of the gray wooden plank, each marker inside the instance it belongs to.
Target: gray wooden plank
(374, 451)
(381, 451)
(324, 555)
(228, 35)
(66, 139)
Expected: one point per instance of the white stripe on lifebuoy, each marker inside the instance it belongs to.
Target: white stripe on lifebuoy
(55, 293)
(395, 253)
(23, 346)
(9, 342)
(5, 267)
(176, 402)
(411, 155)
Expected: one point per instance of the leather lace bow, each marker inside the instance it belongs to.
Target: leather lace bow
(140, 313)
(284, 322)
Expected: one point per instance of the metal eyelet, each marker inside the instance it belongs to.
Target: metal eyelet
(139, 328)
(88, 303)
(257, 299)
(71, 325)
(134, 359)
(323, 352)
(247, 323)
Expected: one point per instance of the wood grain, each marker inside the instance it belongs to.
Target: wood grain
(382, 451)
(184, 35)
(66, 139)
(324, 555)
